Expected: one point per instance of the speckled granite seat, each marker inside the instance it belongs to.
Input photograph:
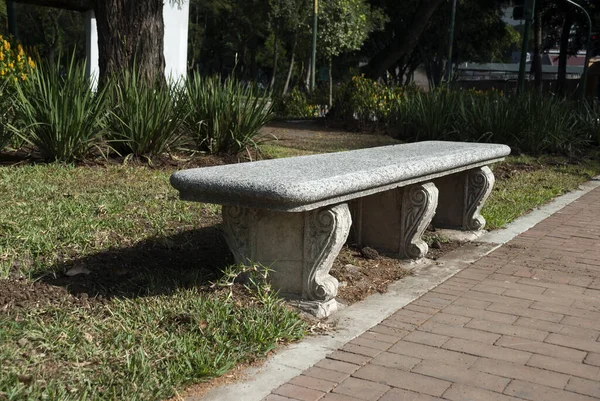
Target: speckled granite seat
(295, 214)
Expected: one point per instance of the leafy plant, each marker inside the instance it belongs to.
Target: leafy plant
(225, 117)
(58, 112)
(296, 104)
(147, 118)
(6, 114)
(14, 64)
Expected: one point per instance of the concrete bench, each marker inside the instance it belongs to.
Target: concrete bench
(295, 214)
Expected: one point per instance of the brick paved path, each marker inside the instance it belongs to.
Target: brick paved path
(521, 323)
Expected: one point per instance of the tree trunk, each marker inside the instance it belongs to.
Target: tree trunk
(275, 56)
(330, 84)
(131, 34)
(308, 75)
(537, 52)
(291, 68)
(563, 56)
(403, 44)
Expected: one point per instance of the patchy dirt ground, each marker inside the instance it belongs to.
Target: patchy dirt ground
(143, 269)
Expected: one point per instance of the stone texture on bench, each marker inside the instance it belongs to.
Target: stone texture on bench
(294, 215)
(303, 183)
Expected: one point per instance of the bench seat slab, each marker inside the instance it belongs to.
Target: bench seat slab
(462, 197)
(299, 247)
(395, 220)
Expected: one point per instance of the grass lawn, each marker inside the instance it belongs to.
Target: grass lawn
(106, 277)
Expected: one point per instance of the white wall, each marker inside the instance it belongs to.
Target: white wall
(176, 20)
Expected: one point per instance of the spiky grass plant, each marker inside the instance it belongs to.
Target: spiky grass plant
(225, 116)
(58, 113)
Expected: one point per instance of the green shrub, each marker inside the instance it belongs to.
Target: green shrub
(146, 119)
(58, 113)
(6, 114)
(365, 100)
(225, 117)
(530, 122)
(297, 104)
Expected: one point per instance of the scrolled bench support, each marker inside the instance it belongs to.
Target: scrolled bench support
(462, 197)
(480, 182)
(418, 207)
(299, 247)
(395, 220)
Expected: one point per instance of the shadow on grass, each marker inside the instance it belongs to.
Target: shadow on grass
(155, 266)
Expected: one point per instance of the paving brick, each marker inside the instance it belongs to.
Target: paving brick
(471, 303)
(421, 337)
(275, 397)
(391, 331)
(386, 338)
(566, 367)
(402, 379)
(408, 316)
(480, 314)
(514, 286)
(451, 320)
(573, 342)
(313, 383)
(327, 374)
(460, 392)
(460, 332)
(579, 332)
(433, 298)
(537, 392)
(360, 350)
(299, 393)
(486, 350)
(450, 290)
(581, 322)
(362, 389)
(539, 297)
(428, 304)
(338, 397)
(396, 324)
(489, 289)
(348, 357)
(526, 312)
(584, 386)
(432, 353)
(537, 324)
(592, 359)
(537, 347)
(370, 343)
(422, 309)
(565, 310)
(398, 394)
(396, 361)
(457, 374)
(507, 329)
(518, 371)
(499, 299)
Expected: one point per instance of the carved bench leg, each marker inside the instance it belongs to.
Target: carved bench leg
(462, 196)
(299, 247)
(395, 220)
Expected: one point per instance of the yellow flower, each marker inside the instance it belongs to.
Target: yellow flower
(1, 72)
(20, 48)
(11, 65)
(6, 45)
(23, 77)
(31, 63)
(1, 56)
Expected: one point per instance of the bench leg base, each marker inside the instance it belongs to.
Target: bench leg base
(462, 197)
(299, 249)
(395, 220)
